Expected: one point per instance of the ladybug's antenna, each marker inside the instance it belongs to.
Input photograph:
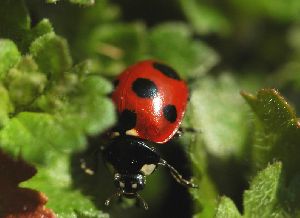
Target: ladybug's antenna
(145, 205)
(177, 175)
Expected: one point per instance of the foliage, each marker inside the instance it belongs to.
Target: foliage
(57, 63)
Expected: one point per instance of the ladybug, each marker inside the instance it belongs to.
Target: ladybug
(151, 100)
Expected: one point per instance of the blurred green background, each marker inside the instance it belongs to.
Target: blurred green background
(218, 47)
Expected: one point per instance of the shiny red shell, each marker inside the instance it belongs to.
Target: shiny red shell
(151, 122)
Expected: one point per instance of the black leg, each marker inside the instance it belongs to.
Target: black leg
(90, 170)
(117, 194)
(141, 200)
(177, 175)
(181, 130)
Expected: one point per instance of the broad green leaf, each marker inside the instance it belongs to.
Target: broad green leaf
(9, 56)
(277, 131)
(204, 18)
(52, 55)
(173, 44)
(14, 20)
(25, 83)
(39, 137)
(227, 209)
(219, 113)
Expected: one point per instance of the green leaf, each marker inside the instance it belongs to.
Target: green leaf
(267, 197)
(80, 2)
(204, 18)
(83, 2)
(226, 209)
(56, 182)
(9, 56)
(263, 198)
(14, 18)
(52, 55)
(90, 108)
(220, 113)
(25, 83)
(189, 57)
(6, 106)
(39, 137)
(42, 28)
(282, 10)
(117, 45)
(277, 130)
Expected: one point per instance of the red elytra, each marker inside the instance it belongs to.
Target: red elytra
(156, 118)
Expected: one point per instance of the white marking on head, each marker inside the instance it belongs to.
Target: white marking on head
(132, 132)
(147, 169)
(122, 184)
(134, 186)
(114, 134)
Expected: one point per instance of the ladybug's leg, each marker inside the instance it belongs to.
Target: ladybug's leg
(141, 200)
(88, 170)
(117, 194)
(181, 130)
(85, 168)
(177, 175)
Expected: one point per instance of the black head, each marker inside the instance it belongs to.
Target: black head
(129, 185)
(132, 159)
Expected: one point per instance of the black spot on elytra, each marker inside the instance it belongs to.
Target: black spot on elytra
(144, 88)
(166, 70)
(127, 120)
(170, 113)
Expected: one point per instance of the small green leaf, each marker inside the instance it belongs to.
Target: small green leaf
(267, 197)
(24, 82)
(277, 131)
(263, 199)
(9, 56)
(52, 54)
(94, 113)
(227, 209)
(272, 109)
(190, 58)
(42, 28)
(91, 108)
(204, 18)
